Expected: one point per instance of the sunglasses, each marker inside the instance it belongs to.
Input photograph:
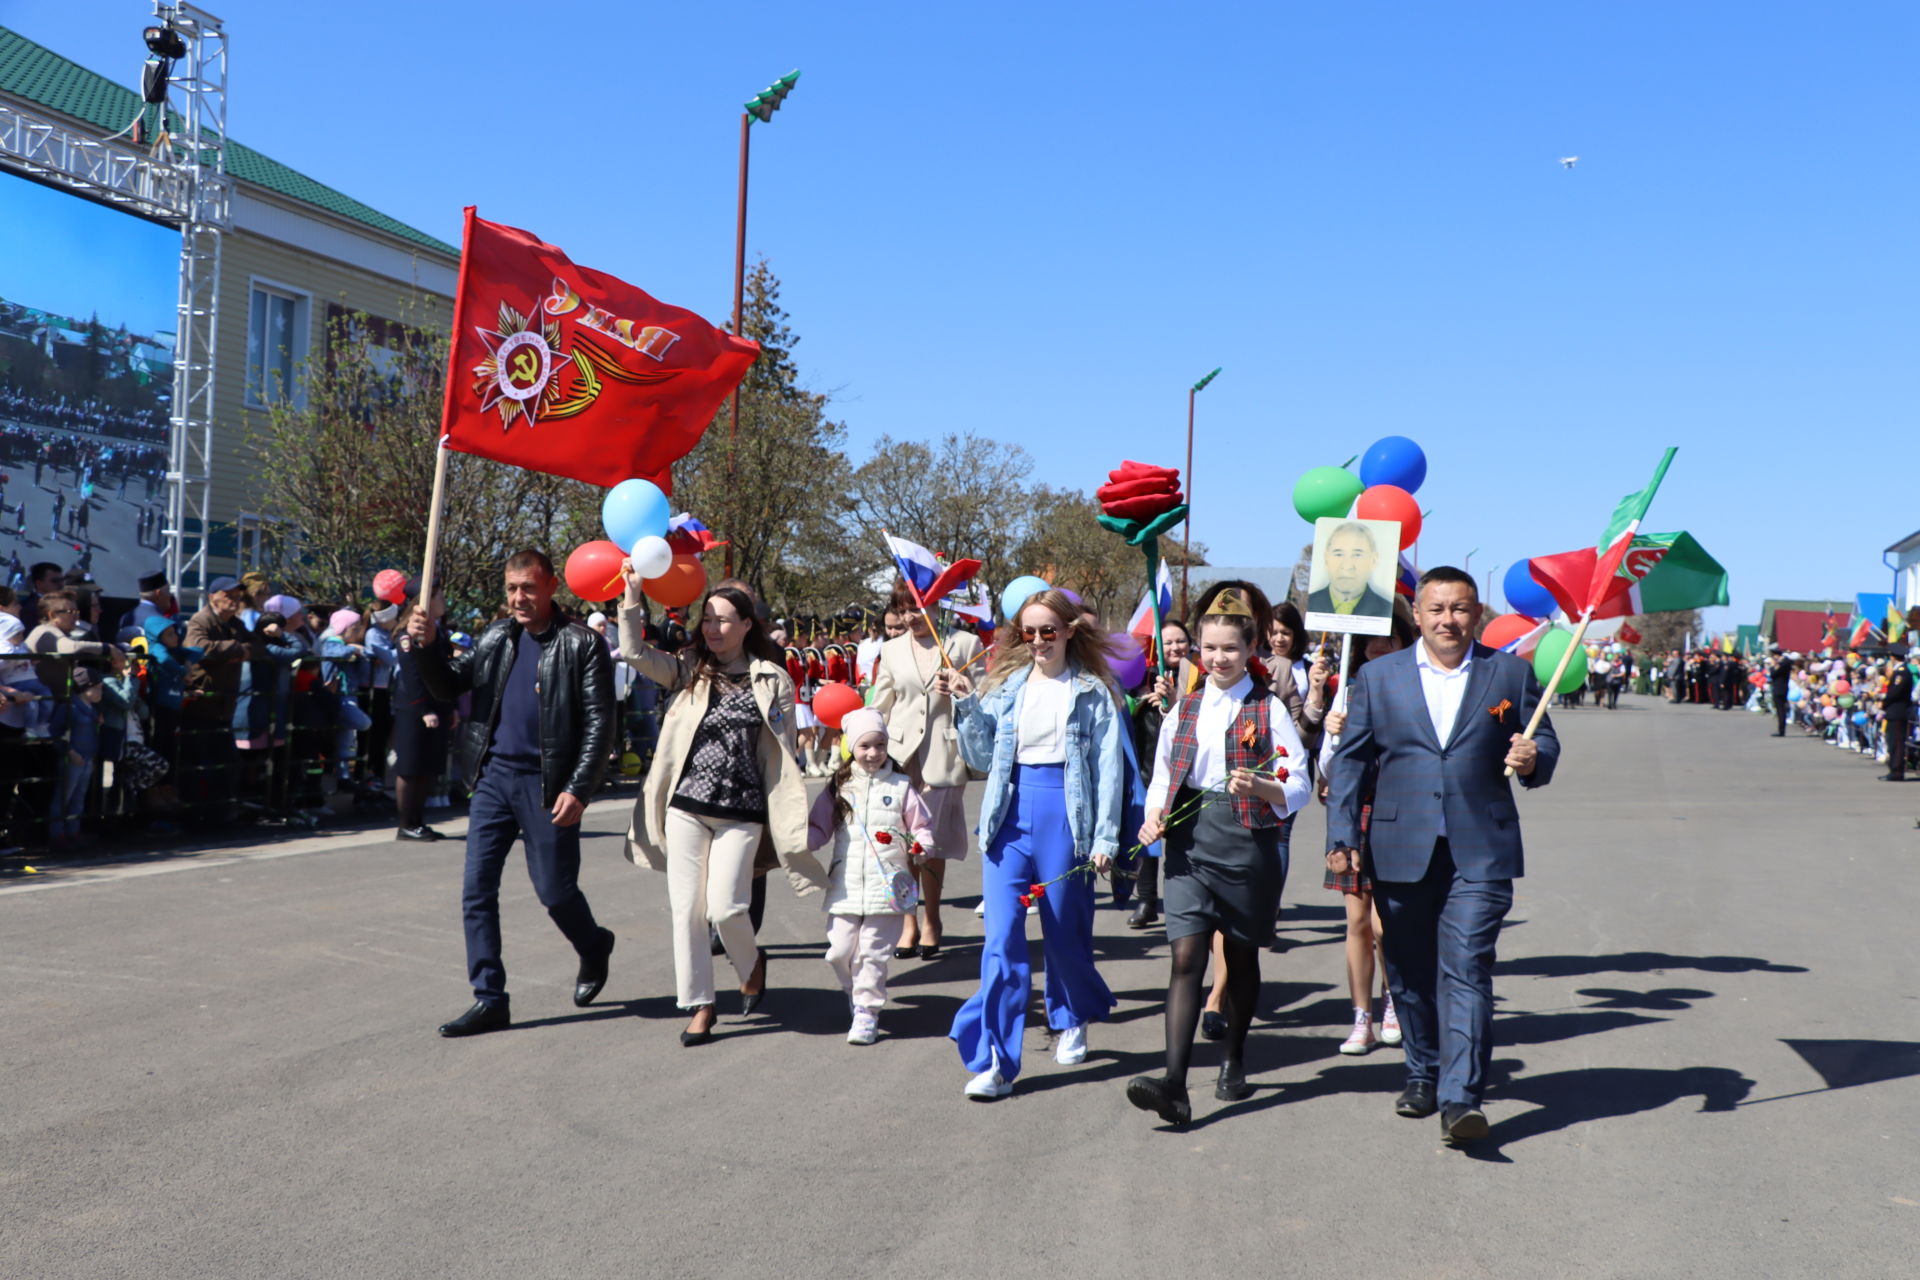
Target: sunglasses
(1040, 633)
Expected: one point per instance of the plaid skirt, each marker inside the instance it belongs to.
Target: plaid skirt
(1360, 881)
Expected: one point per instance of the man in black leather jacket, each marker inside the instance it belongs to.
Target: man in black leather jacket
(532, 752)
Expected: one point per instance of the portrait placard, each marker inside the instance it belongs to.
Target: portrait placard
(1350, 581)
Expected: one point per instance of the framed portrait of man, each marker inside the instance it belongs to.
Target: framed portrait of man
(1350, 581)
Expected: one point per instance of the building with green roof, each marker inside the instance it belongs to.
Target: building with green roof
(297, 253)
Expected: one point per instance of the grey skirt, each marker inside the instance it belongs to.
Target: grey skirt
(1220, 875)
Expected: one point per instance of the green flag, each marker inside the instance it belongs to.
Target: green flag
(1672, 571)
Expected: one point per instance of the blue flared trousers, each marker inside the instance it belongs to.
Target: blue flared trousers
(1034, 844)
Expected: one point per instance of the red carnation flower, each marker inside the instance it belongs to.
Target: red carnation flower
(884, 837)
(915, 849)
(1281, 775)
(1026, 899)
(1039, 890)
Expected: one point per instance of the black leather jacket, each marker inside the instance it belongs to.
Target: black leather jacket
(576, 702)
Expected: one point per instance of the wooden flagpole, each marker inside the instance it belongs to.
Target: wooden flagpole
(434, 509)
(1547, 694)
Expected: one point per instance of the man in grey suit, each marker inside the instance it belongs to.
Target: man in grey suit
(1429, 733)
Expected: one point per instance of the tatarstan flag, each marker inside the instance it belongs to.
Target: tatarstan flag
(1611, 551)
(1657, 572)
(570, 371)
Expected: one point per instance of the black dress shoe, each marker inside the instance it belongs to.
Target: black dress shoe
(1168, 1101)
(930, 951)
(748, 1003)
(905, 953)
(1232, 1085)
(480, 1018)
(418, 833)
(1143, 915)
(688, 1039)
(1213, 1026)
(1463, 1123)
(1416, 1101)
(1887, 777)
(593, 972)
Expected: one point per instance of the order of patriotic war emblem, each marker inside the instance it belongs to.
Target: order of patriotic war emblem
(530, 375)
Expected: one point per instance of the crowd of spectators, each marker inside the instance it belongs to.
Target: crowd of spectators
(93, 417)
(256, 708)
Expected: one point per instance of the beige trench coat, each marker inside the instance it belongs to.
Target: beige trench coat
(779, 769)
(920, 721)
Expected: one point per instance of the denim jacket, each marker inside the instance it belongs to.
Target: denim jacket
(989, 729)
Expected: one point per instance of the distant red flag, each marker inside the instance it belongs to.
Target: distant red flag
(566, 370)
(1628, 635)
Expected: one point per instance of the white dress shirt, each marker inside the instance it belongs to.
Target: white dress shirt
(1044, 704)
(1444, 690)
(1214, 719)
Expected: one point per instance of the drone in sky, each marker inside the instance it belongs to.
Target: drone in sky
(1567, 162)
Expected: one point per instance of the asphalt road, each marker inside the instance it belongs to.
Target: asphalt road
(225, 1066)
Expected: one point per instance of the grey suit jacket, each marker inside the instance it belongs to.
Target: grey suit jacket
(1390, 738)
(1372, 603)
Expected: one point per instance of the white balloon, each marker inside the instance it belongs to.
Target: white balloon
(652, 557)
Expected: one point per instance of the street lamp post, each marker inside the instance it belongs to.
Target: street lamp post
(1186, 536)
(761, 107)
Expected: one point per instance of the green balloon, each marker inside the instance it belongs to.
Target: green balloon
(1547, 657)
(1325, 493)
(1845, 699)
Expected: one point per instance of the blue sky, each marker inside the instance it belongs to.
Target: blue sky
(1043, 223)
(86, 259)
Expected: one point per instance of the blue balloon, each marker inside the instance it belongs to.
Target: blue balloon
(1524, 595)
(1795, 694)
(632, 510)
(1016, 593)
(1394, 460)
(1859, 717)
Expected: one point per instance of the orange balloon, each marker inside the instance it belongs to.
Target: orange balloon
(593, 571)
(680, 585)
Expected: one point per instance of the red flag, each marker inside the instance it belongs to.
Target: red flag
(563, 369)
(1628, 635)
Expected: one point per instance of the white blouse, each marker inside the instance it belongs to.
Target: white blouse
(1044, 704)
(1216, 714)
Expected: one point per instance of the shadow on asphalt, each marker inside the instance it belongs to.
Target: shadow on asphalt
(1664, 999)
(1545, 1028)
(1636, 962)
(1563, 1099)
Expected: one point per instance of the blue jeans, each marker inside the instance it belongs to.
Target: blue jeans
(1439, 934)
(349, 721)
(69, 798)
(508, 806)
(1033, 844)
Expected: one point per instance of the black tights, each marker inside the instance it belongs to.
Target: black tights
(410, 797)
(1191, 956)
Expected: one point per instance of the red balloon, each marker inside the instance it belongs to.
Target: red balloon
(680, 585)
(1507, 628)
(1842, 686)
(1391, 502)
(832, 702)
(593, 571)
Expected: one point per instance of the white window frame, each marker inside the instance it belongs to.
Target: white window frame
(302, 345)
(249, 534)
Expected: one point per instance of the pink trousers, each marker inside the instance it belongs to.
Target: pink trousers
(858, 948)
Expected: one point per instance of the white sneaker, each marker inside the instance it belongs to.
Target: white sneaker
(980, 909)
(1390, 1023)
(989, 1084)
(866, 1027)
(1361, 1040)
(1072, 1049)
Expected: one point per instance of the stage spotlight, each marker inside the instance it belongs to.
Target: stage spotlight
(154, 74)
(164, 42)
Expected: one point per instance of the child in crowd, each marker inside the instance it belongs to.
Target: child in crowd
(77, 720)
(29, 707)
(880, 829)
(344, 654)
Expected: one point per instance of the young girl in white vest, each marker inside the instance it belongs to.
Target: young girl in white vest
(880, 829)
(1228, 771)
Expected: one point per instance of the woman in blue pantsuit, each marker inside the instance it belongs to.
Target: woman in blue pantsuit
(1045, 729)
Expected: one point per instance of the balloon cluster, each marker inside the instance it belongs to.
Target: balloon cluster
(636, 516)
(1391, 472)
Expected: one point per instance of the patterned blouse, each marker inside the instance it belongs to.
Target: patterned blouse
(722, 774)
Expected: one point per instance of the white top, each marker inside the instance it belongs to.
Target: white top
(1444, 690)
(1212, 722)
(1044, 703)
(867, 657)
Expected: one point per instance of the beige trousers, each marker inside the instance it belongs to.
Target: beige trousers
(858, 948)
(709, 880)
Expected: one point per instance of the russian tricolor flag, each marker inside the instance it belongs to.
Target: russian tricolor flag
(1141, 624)
(919, 566)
